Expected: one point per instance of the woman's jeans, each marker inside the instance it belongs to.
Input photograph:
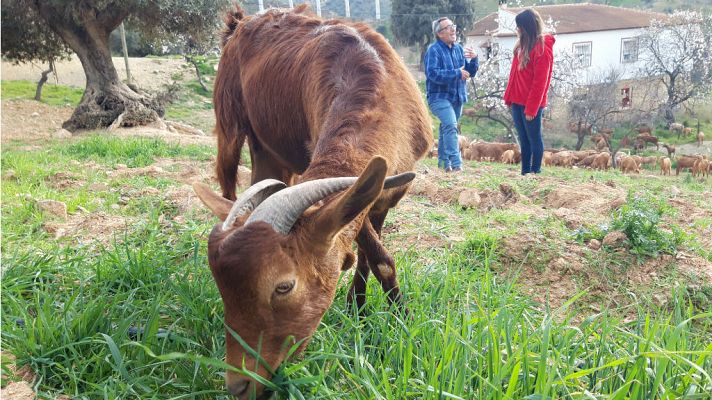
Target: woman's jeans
(530, 141)
(448, 147)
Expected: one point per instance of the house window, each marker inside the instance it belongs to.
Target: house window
(629, 50)
(582, 52)
(626, 98)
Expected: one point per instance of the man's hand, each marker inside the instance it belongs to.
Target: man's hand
(470, 53)
(464, 74)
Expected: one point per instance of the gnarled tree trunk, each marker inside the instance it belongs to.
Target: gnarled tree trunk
(106, 96)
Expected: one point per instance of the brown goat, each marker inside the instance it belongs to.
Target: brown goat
(480, 151)
(323, 100)
(685, 162)
(665, 166)
(463, 143)
(643, 128)
(587, 161)
(651, 160)
(646, 138)
(602, 161)
(701, 167)
(507, 157)
(670, 150)
(563, 159)
(700, 138)
(628, 165)
(547, 159)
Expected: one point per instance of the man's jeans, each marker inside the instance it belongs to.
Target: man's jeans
(530, 141)
(448, 148)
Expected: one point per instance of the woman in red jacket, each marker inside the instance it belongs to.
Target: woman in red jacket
(528, 84)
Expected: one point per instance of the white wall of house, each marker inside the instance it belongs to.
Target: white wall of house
(607, 48)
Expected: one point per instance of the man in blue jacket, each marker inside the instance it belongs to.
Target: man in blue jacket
(446, 70)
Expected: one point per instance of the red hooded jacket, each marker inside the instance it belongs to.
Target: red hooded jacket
(528, 87)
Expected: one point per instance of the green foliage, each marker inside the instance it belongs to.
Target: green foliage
(411, 20)
(136, 44)
(586, 233)
(55, 95)
(206, 64)
(640, 220)
(26, 38)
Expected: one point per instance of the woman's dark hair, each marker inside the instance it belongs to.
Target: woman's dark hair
(530, 27)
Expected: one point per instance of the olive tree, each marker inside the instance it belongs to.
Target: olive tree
(85, 27)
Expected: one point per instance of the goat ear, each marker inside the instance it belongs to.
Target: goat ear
(337, 214)
(219, 205)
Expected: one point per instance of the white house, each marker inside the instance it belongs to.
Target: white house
(600, 36)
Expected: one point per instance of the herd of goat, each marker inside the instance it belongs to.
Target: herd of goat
(599, 158)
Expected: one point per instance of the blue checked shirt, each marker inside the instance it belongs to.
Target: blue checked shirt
(442, 72)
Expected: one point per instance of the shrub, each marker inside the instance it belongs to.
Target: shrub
(640, 220)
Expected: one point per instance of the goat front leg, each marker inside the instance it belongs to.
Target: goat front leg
(380, 262)
(357, 291)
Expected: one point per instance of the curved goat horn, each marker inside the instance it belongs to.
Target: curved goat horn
(283, 209)
(251, 198)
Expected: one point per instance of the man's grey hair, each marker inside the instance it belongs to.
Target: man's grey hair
(436, 25)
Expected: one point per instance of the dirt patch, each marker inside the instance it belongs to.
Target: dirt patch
(20, 390)
(147, 73)
(21, 380)
(90, 228)
(34, 123)
(31, 121)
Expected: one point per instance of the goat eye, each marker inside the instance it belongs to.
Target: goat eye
(284, 287)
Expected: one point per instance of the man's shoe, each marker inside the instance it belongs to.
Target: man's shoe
(457, 169)
(448, 169)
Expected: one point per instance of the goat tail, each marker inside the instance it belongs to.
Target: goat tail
(230, 142)
(232, 20)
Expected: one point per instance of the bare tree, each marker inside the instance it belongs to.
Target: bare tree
(675, 51)
(594, 103)
(486, 91)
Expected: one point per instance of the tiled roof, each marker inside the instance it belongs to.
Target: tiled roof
(573, 18)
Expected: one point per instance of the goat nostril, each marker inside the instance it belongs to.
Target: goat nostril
(238, 388)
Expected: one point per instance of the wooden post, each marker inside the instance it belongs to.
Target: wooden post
(347, 9)
(318, 8)
(262, 5)
(378, 9)
(126, 52)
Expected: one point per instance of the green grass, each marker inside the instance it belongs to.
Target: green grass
(468, 334)
(54, 95)
(68, 172)
(135, 152)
